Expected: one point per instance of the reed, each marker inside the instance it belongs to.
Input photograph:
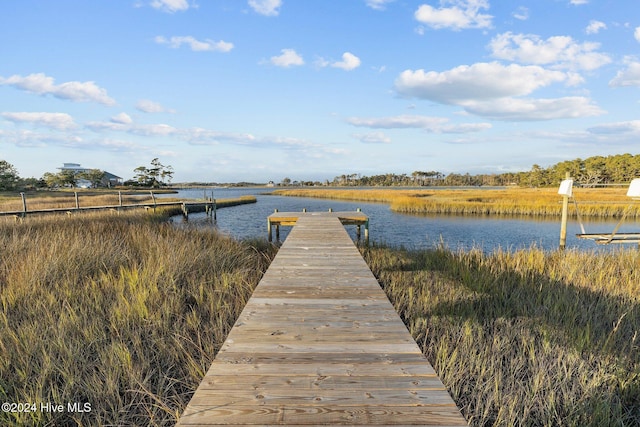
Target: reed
(605, 203)
(123, 312)
(526, 338)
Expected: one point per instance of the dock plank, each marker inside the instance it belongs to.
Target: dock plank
(319, 343)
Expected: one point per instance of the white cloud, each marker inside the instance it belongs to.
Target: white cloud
(57, 121)
(195, 45)
(557, 51)
(148, 106)
(349, 62)
(578, 2)
(122, 118)
(481, 81)
(619, 128)
(518, 109)
(372, 138)
(266, 7)
(429, 124)
(170, 6)
(288, 58)
(522, 13)
(594, 27)
(41, 84)
(627, 77)
(636, 34)
(463, 14)
(378, 4)
(496, 91)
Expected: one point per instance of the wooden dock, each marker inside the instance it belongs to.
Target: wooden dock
(319, 343)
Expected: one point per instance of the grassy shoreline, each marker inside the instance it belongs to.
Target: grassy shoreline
(126, 312)
(530, 338)
(599, 202)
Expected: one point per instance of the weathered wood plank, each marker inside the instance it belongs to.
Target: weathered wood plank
(319, 343)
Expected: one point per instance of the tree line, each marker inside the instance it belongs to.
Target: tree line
(592, 171)
(154, 176)
(589, 172)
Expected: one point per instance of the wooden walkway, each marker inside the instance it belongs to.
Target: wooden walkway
(319, 343)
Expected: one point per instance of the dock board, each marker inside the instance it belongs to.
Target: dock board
(319, 343)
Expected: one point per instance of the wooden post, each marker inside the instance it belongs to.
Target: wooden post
(75, 193)
(153, 197)
(269, 238)
(277, 232)
(185, 212)
(120, 198)
(24, 205)
(366, 232)
(215, 209)
(565, 214)
(358, 233)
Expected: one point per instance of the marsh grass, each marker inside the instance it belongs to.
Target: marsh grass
(66, 199)
(599, 202)
(526, 338)
(124, 312)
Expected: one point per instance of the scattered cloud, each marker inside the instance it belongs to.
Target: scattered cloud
(594, 27)
(195, 45)
(578, 2)
(349, 62)
(463, 14)
(480, 81)
(559, 51)
(122, 118)
(56, 121)
(427, 123)
(522, 13)
(266, 7)
(42, 84)
(496, 91)
(147, 106)
(618, 128)
(372, 138)
(378, 4)
(519, 109)
(170, 6)
(630, 76)
(636, 34)
(287, 58)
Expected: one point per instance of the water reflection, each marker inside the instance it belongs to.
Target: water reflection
(412, 231)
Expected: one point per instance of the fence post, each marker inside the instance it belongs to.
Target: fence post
(24, 205)
(153, 197)
(75, 193)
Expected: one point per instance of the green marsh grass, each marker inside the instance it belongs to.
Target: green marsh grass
(527, 338)
(124, 312)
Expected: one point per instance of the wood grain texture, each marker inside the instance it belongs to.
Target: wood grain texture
(319, 343)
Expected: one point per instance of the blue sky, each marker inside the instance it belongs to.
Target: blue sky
(259, 90)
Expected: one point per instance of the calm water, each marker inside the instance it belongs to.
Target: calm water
(399, 229)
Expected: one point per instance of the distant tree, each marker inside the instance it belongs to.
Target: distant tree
(8, 176)
(286, 181)
(153, 176)
(94, 176)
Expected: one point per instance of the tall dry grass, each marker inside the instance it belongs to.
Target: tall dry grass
(529, 338)
(124, 312)
(598, 202)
